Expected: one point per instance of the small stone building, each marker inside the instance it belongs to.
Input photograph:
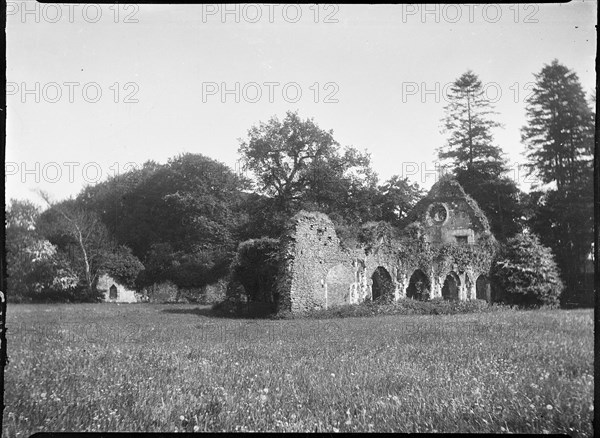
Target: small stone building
(115, 292)
(444, 251)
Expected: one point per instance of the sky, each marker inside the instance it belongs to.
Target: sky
(94, 90)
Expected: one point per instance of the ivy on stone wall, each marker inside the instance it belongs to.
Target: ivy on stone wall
(375, 235)
(410, 248)
(448, 190)
(414, 251)
(476, 256)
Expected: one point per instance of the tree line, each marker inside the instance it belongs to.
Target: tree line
(182, 221)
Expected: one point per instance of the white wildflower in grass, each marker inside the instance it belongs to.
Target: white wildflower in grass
(238, 395)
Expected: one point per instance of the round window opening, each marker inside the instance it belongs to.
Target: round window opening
(438, 213)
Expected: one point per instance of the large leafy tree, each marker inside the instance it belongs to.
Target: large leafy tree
(504, 204)
(559, 138)
(183, 218)
(477, 162)
(21, 240)
(80, 237)
(397, 196)
(298, 165)
(124, 207)
(36, 270)
(285, 156)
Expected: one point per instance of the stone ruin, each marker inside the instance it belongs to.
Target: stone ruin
(444, 251)
(115, 292)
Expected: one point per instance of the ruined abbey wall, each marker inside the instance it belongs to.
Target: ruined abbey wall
(310, 252)
(317, 272)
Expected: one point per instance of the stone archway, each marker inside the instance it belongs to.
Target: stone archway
(339, 285)
(113, 294)
(419, 286)
(482, 287)
(383, 286)
(450, 291)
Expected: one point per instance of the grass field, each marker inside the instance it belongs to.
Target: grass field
(144, 367)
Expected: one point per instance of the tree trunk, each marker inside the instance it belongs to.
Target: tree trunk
(88, 274)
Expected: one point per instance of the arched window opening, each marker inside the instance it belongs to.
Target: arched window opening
(383, 286)
(113, 293)
(451, 286)
(418, 286)
(482, 288)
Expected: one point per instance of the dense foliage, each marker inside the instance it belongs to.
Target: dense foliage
(179, 218)
(525, 273)
(477, 163)
(36, 270)
(299, 166)
(255, 267)
(559, 137)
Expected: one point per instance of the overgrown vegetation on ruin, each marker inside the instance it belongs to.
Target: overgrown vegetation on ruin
(407, 306)
(368, 308)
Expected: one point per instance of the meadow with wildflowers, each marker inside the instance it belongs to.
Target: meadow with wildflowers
(145, 367)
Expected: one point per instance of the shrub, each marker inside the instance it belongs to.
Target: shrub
(406, 306)
(165, 292)
(123, 266)
(213, 293)
(75, 294)
(255, 268)
(525, 273)
(190, 295)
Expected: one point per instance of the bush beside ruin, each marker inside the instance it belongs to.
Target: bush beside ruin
(255, 269)
(526, 274)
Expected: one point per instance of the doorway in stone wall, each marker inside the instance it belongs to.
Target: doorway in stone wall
(451, 287)
(418, 286)
(383, 286)
(112, 292)
(481, 286)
